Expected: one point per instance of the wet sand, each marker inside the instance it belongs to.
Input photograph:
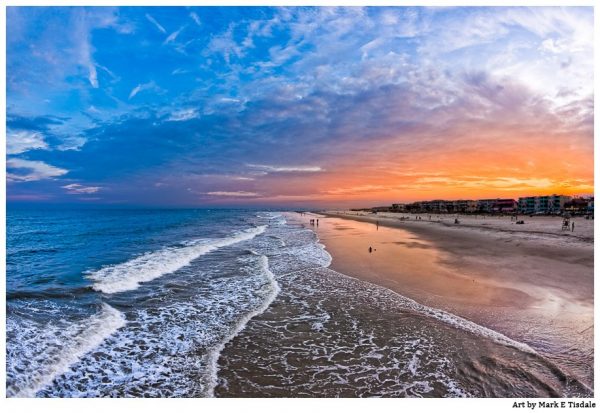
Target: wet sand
(534, 287)
(327, 334)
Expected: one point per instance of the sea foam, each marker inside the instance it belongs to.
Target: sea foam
(128, 275)
(55, 349)
(273, 290)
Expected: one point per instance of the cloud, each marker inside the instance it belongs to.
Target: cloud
(354, 95)
(155, 23)
(196, 19)
(270, 168)
(25, 170)
(173, 36)
(23, 141)
(141, 87)
(76, 189)
(225, 45)
(235, 194)
(83, 24)
(183, 115)
(358, 189)
(135, 91)
(179, 71)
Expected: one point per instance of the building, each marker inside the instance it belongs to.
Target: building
(381, 209)
(527, 205)
(580, 206)
(464, 206)
(546, 204)
(497, 205)
(505, 206)
(485, 205)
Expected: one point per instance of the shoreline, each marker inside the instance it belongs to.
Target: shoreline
(475, 222)
(534, 287)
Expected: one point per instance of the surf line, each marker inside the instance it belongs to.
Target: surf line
(215, 352)
(128, 275)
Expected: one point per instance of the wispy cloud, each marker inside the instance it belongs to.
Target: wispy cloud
(235, 194)
(183, 115)
(179, 71)
(196, 19)
(173, 36)
(141, 87)
(271, 168)
(23, 141)
(155, 23)
(358, 189)
(24, 170)
(77, 189)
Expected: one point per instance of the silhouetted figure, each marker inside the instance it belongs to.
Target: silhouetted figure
(317, 222)
(573, 227)
(377, 223)
(370, 250)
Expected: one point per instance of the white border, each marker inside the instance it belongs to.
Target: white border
(257, 405)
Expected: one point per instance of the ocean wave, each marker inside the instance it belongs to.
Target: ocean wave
(38, 355)
(128, 275)
(172, 350)
(215, 352)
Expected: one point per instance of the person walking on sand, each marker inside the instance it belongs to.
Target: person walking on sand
(573, 226)
(377, 223)
(370, 250)
(317, 222)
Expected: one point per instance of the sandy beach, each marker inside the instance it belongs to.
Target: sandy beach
(531, 282)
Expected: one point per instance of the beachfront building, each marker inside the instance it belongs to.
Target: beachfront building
(497, 205)
(580, 206)
(381, 209)
(546, 204)
(505, 206)
(399, 208)
(464, 206)
(485, 205)
(529, 205)
(438, 206)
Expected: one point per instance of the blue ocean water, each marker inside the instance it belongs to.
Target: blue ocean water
(75, 277)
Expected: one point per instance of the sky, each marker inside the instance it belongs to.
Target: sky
(288, 106)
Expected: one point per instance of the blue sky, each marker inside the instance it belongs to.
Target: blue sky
(295, 106)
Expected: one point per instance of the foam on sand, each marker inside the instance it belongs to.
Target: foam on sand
(49, 359)
(215, 352)
(151, 265)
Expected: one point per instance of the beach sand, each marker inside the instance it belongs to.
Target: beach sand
(532, 282)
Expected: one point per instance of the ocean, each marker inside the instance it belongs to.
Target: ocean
(230, 303)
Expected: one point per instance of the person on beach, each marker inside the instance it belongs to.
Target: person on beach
(317, 222)
(573, 226)
(370, 250)
(377, 223)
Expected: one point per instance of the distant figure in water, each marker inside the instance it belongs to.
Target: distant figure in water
(370, 250)
(317, 222)
(573, 227)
